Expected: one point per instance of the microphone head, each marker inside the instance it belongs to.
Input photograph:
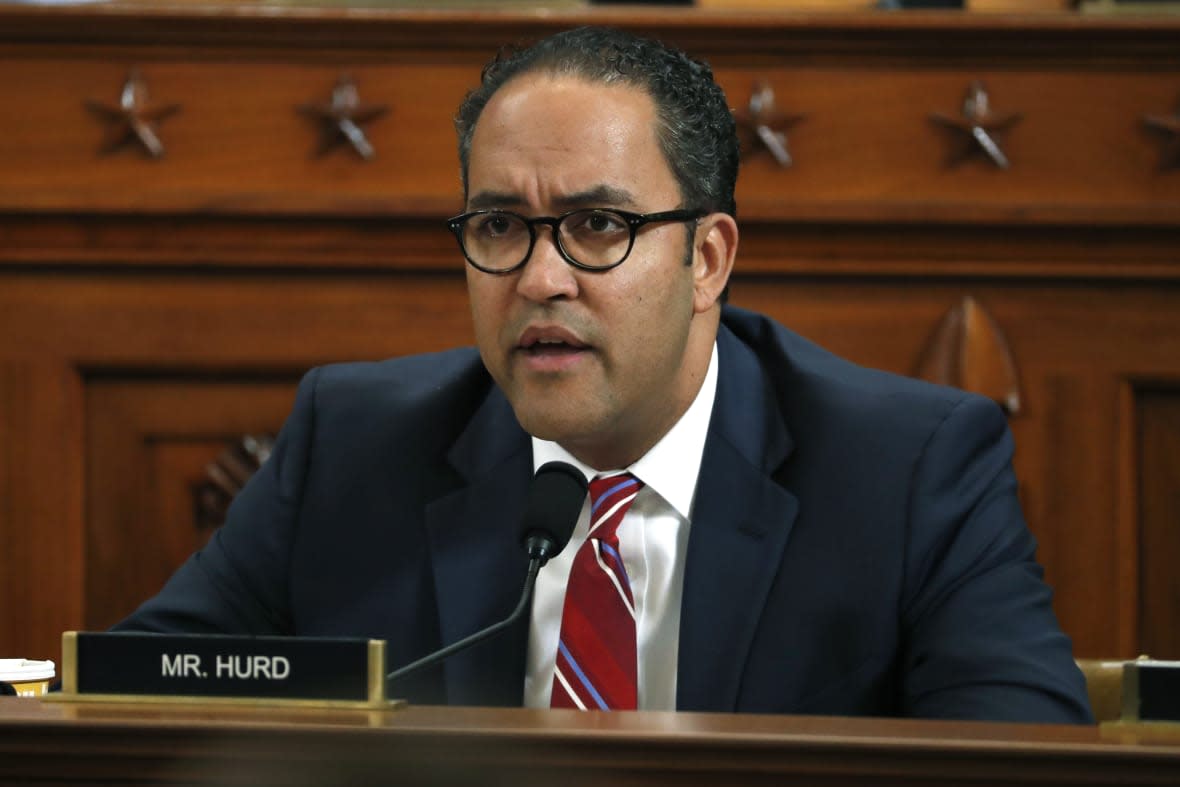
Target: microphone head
(551, 512)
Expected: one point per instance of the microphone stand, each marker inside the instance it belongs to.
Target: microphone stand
(555, 497)
(535, 564)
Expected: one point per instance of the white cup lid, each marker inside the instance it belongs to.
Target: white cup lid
(24, 671)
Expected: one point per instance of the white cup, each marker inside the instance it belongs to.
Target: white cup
(29, 678)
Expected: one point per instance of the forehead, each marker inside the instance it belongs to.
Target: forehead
(542, 136)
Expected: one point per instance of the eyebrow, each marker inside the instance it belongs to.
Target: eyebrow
(487, 200)
(601, 195)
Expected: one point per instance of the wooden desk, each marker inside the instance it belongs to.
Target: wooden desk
(81, 744)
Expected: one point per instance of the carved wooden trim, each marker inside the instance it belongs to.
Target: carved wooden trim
(225, 477)
(1168, 127)
(968, 350)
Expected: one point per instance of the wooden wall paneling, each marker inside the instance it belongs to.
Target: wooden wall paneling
(157, 325)
(268, 242)
(149, 440)
(867, 84)
(867, 148)
(1085, 343)
(1128, 540)
(239, 112)
(41, 506)
(1159, 506)
(1078, 529)
(232, 321)
(922, 251)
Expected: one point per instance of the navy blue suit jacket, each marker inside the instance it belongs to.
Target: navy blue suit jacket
(856, 546)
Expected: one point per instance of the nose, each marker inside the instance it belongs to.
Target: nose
(546, 275)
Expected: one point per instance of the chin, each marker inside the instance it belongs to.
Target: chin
(559, 427)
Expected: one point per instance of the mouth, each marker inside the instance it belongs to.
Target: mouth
(551, 349)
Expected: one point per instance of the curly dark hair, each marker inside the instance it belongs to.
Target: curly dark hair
(697, 132)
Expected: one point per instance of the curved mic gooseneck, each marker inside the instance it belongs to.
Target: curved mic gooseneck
(551, 512)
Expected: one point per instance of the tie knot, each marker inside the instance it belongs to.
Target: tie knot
(610, 497)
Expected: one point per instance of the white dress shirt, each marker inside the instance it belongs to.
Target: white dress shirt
(653, 539)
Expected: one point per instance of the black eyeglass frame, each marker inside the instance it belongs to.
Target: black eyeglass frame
(634, 222)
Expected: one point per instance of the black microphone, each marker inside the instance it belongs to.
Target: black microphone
(551, 512)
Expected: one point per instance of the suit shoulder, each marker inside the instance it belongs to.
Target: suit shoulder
(424, 389)
(408, 377)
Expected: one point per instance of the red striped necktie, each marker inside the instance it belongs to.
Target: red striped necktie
(596, 660)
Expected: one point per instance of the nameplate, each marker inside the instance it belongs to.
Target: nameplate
(1151, 690)
(305, 670)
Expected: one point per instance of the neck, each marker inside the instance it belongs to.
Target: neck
(627, 443)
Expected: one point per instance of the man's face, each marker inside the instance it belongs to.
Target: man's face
(603, 363)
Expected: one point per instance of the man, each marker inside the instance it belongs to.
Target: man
(795, 534)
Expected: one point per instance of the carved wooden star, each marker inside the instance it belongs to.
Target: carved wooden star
(341, 119)
(1170, 127)
(977, 129)
(765, 126)
(133, 120)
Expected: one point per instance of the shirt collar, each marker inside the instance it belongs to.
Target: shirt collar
(672, 465)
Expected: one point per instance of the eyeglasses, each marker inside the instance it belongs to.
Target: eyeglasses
(594, 239)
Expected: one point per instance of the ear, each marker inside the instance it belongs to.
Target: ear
(716, 247)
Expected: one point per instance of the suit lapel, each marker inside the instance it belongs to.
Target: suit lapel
(479, 566)
(741, 521)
